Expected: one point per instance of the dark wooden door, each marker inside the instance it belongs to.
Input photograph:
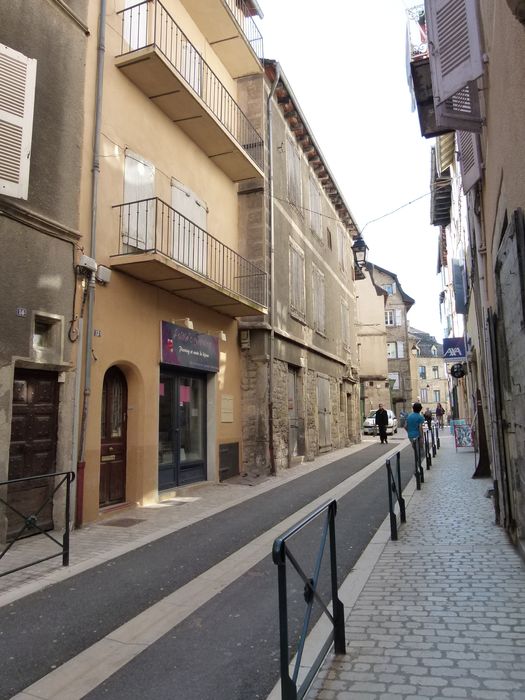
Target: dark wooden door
(32, 451)
(113, 439)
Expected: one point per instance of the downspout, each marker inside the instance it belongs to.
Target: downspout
(88, 358)
(271, 263)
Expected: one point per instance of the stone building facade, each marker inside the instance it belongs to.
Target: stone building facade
(397, 306)
(300, 371)
(42, 64)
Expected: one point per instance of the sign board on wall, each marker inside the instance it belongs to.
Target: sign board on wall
(183, 347)
(454, 349)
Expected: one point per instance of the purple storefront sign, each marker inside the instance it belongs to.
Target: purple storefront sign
(186, 348)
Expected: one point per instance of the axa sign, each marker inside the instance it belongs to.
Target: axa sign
(454, 349)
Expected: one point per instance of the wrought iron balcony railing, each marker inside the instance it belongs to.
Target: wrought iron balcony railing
(239, 10)
(149, 24)
(152, 226)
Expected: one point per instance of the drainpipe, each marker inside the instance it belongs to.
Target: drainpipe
(88, 357)
(272, 254)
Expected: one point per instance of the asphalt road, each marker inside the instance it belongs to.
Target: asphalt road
(229, 648)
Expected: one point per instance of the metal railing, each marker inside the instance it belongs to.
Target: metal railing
(152, 226)
(426, 438)
(281, 553)
(31, 520)
(418, 469)
(395, 489)
(241, 12)
(150, 24)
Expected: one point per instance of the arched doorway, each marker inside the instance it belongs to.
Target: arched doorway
(113, 439)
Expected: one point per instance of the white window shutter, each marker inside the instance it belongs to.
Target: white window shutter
(469, 159)
(454, 45)
(400, 348)
(17, 100)
(399, 317)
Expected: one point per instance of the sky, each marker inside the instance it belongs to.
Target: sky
(345, 61)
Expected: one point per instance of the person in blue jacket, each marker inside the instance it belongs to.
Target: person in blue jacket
(414, 427)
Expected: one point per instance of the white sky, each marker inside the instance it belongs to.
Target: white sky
(345, 61)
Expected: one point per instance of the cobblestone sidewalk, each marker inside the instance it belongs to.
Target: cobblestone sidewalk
(443, 612)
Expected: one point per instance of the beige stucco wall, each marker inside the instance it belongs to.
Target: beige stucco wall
(128, 312)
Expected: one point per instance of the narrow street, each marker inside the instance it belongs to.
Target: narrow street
(227, 647)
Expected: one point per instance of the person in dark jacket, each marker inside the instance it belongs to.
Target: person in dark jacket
(382, 423)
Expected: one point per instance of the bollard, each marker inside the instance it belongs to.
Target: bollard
(434, 449)
(427, 450)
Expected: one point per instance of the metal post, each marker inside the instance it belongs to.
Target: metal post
(65, 538)
(427, 450)
(401, 500)
(337, 605)
(417, 471)
(437, 437)
(434, 450)
(393, 519)
(288, 688)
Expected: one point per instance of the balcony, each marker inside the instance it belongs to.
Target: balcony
(159, 59)
(160, 246)
(229, 27)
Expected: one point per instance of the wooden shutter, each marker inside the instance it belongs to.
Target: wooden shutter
(469, 159)
(400, 349)
(461, 111)
(17, 99)
(138, 223)
(318, 299)
(190, 218)
(454, 46)
(399, 317)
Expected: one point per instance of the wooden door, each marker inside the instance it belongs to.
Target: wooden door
(113, 439)
(32, 450)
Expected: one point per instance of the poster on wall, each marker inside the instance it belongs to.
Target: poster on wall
(183, 347)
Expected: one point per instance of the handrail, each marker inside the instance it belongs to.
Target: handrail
(31, 520)
(150, 24)
(395, 488)
(239, 10)
(152, 226)
(280, 554)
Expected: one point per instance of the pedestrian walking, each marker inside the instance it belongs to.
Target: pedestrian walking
(440, 412)
(414, 428)
(428, 417)
(382, 423)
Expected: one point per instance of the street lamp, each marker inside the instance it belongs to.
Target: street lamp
(359, 250)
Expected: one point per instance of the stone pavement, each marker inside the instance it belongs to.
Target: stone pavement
(441, 613)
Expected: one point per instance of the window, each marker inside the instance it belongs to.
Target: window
(17, 98)
(293, 164)
(315, 208)
(341, 246)
(297, 281)
(391, 351)
(345, 323)
(394, 376)
(424, 395)
(47, 341)
(437, 395)
(390, 288)
(189, 237)
(318, 299)
(389, 318)
(422, 371)
(435, 372)
(433, 351)
(329, 238)
(138, 216)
